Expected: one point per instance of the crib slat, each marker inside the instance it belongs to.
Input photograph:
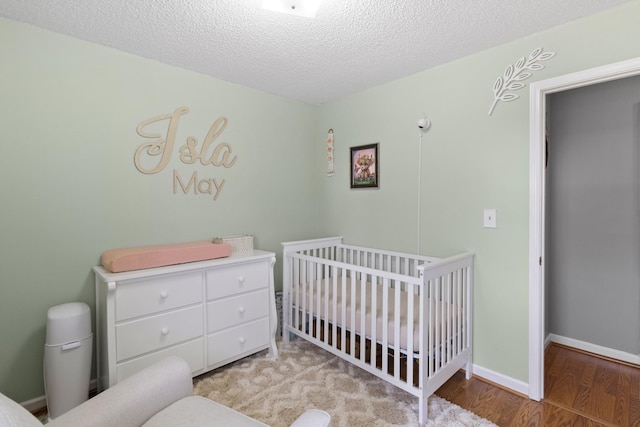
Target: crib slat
(454, 317)
(325, 292)
(422, 349)
(385, 322)
(445, 320)
(352, 320)
(316, 295)
(374, 318)
(396, 333)
(458, 304)
(410, 316)
(363, 315)
(436, 315)
(303, 297)
(334, 307)
(469, 307)
(430, 325)
(438, 323)
(343, 306)
(449, 316)
(294, 293)
(308, 301)
(299, 291)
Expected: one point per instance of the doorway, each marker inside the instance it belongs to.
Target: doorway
(537, 153)
(592, 224)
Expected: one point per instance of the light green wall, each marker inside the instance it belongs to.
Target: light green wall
(68, 116)
(470, 161)
(70, 191)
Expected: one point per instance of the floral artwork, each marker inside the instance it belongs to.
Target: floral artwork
(364, 166)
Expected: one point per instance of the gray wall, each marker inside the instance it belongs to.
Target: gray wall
(593, 223)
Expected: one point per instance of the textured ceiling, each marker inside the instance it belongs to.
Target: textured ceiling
(351, 45)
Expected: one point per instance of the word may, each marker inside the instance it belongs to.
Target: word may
(163, 147)
(203, 186)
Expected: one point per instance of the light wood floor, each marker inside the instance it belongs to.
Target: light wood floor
(581, 389)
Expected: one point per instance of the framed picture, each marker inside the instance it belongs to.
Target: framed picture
(365, 171)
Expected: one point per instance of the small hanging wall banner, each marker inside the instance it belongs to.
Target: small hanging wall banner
(330, 153)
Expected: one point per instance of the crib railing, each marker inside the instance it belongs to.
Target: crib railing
(449, 280)
(382, 339)
(390, 261)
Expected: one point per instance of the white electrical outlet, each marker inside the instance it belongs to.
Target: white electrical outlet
(490, 218)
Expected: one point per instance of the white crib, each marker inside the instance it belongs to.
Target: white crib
(357, 303)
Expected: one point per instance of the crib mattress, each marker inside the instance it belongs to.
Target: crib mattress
(446, 312)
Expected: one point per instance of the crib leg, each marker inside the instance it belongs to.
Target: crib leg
(423, 410)
(468, 370)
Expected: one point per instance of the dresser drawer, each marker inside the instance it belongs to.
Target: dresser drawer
(208, 313)
(234, 279)
(155, 332)
(192, 352)
(242, 339)
(142, 297)
(231, 311)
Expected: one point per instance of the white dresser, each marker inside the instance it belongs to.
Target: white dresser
(210, 313)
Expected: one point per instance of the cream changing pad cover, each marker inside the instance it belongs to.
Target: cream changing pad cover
(127, 259)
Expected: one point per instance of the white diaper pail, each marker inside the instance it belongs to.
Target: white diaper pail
(67, 357)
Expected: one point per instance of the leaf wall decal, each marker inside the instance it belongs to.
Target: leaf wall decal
(514, 74)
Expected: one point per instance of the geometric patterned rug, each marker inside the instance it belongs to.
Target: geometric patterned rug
(305, 376)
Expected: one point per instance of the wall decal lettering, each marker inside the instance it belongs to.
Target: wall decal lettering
(220, 156)
(514, 74)
(153, 156)
(200, 186)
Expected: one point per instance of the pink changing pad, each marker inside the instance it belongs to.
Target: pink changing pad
(127, 259)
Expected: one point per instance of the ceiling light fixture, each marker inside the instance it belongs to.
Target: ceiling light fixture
(306, 8)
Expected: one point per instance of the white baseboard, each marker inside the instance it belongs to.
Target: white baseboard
(35, 404)
(593, 348)
(502, 380)
(38, 403)
(523, 387)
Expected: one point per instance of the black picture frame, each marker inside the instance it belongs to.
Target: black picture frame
(365, 166)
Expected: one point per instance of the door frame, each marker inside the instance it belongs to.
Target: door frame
(538, 92)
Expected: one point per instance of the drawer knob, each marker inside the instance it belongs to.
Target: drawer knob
(241, 279)
(243, 340)
(164, 294)
(241, 310)
(164, 331)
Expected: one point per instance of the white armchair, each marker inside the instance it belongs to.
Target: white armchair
(158, 396)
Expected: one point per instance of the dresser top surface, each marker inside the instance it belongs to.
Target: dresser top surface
(234, 258)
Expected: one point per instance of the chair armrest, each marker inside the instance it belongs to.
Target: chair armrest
(12, 414)
(313, 418)
(131, 402)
